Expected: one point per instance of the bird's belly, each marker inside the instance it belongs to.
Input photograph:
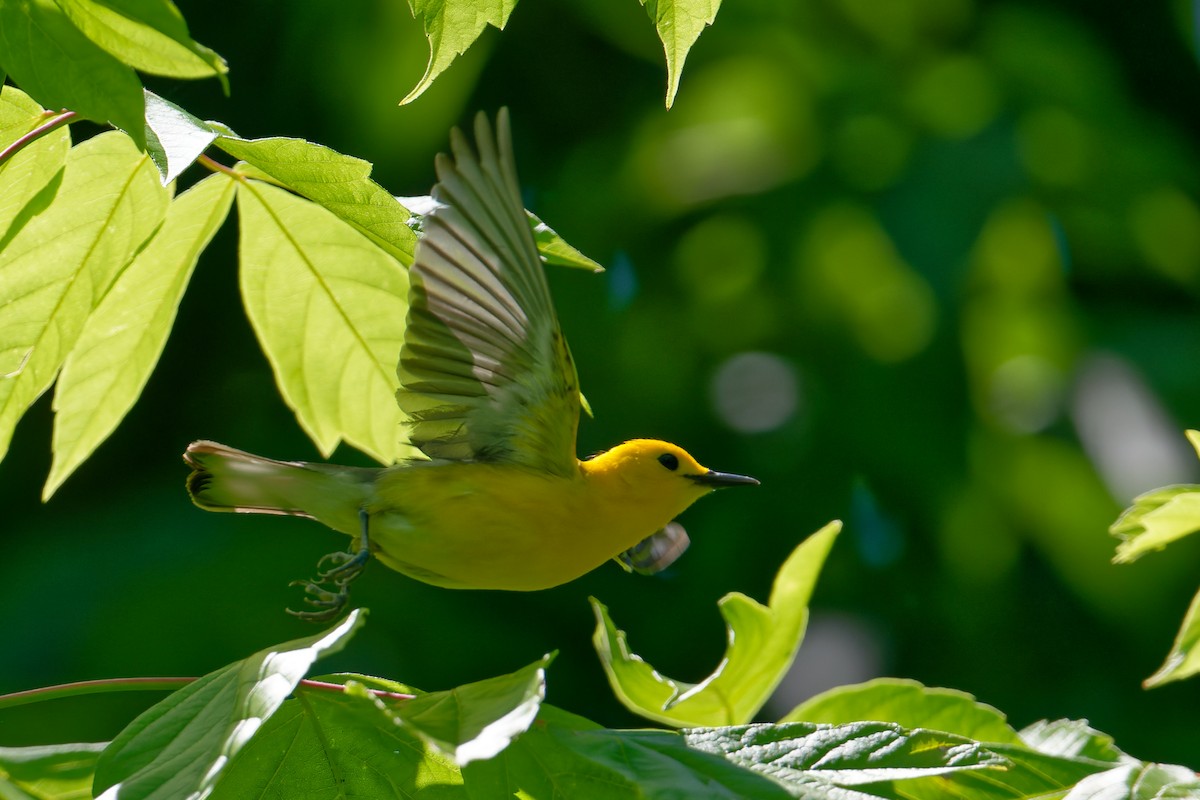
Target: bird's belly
(477, 527)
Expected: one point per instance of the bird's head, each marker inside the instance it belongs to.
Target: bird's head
(658, 473)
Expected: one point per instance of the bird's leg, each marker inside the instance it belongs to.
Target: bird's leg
(344, 567)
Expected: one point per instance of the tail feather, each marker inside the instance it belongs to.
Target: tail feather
(226, 479)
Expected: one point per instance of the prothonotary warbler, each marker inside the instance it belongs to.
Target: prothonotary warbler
(495, 498)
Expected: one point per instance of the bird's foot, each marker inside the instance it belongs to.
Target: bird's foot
(328, 593)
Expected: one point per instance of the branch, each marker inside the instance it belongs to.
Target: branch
(38, 132)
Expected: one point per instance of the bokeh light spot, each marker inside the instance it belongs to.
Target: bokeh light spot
(1055, 146)
(755, 392)
(871, 150)
(1166, 226)
(955, 97)
(1026, 393)
(720, 258)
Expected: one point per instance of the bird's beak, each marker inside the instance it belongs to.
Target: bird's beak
(719, 480)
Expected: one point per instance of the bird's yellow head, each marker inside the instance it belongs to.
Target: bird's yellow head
(656, 475)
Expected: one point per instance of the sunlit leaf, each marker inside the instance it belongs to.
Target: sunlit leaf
(329, 308)
(679, 24)
(33, 166)
(762, 642)
(909, 704)
(1158, 518)
(338, 182)
(1071, 739)
(124, 337)
(179, 747)
(60, 771)
(60, 265)
(148, 35)
(33, 36)
(1138, 782)
(174, 138)
(1184, 659)
(552, 248)
(451, 26)
(562, 757)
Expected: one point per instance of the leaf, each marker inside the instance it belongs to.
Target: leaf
(552, 248)
(1184, 659)
(124, 337)
(339, 183)
(32, 167)
(332, 739)
(562, 757)
(60, 265)
(328, 308)
(451, 26)
(679, 24)
(179, 747)
(174, 138)
(148, 35)
(33, 36)
(882, 759)
(762, 642)
(1138, 782)
(61, 771)
(1071, 739)
(1158, 517)
(909, 704)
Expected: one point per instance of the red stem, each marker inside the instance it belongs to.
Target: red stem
(38, 132)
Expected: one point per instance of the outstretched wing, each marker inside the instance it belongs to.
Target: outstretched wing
(485, 374)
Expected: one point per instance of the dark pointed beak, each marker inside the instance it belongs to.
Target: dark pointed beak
(719, 480)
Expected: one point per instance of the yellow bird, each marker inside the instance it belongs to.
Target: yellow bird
(496, 498)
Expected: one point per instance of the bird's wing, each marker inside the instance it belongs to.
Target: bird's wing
(656, 552)
(485, 373)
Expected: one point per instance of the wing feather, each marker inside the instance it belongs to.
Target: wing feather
(485, 374)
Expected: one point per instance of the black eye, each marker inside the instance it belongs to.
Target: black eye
(669, 461)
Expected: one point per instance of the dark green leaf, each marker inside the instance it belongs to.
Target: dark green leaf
(178, 748)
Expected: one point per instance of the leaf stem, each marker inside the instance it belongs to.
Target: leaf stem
(217, 166)
(61, 118)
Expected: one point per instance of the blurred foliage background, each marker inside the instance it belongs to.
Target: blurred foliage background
(929, 266)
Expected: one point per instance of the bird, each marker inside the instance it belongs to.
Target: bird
(494, 496)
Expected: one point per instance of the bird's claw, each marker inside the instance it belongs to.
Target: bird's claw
(329, 592)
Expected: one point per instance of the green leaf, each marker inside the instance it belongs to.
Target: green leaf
(60, 771)
(762, 642)
(552, 248)
(886, 760)
(451, 26)
(1138, 782)
(910, 704)
(174, 138)
(34, 35)
(477, 720)
(61, 264)
(32, 167)
(179, 747)
(562, 757)
(338, 182)
(679, 24)
(1071, 739)
(328, 739)
(1158, 517)
(124, 337)
(1184, 659)
(148, 35)
(329, 310)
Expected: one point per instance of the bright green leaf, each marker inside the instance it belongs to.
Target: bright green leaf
(1158, 517)
(329, 309)
(178, 748)
(148, 35)
(762, 642)
(33, 36)
(33, 166)
(338, 182)
(562, 757)
(60, 771)
(1138, 782)
(1070, 738)
(679, 24)
(552, 248)
(1184, 659)
(174, 138)
(910, 704)
(124, 337)
(451, 26)
(61, 264)
(325, 739)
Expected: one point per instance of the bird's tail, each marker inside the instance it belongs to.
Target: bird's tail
(226, 479)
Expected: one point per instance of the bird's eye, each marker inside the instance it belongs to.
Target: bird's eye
(669, 461)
